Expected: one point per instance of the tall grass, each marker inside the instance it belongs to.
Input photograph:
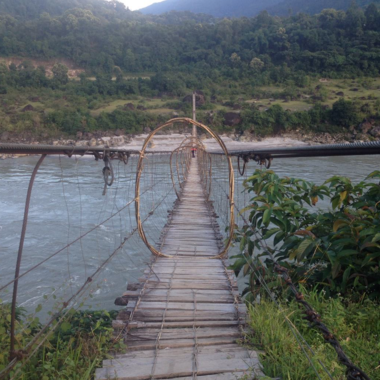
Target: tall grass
(356, 325)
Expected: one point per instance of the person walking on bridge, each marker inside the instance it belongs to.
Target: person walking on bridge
(193, 150)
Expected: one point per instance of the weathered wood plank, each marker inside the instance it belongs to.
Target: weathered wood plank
(184, 333)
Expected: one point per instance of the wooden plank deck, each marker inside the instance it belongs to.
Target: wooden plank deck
(186, 319)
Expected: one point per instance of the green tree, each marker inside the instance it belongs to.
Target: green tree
(60, 73)
(344, 113)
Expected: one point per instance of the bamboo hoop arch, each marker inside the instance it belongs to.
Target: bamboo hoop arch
(140, 167)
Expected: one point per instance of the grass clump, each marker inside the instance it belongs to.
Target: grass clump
(355, 325)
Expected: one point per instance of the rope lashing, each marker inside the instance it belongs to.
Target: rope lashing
(125, 157)
(266, 161)
(246, 160)
(108, 174)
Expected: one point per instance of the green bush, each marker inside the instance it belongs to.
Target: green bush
(335, 250)
(73, 351)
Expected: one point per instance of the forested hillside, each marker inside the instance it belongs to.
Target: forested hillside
(32, 9)
(288, 7)
(250, 8)
(216, 8)
(134, 70)
(330, 43)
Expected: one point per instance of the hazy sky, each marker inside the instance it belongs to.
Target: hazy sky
(138, 4)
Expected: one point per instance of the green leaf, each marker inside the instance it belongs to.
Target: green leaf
(347, 252)
(242, 243)
(304, 248)
(251, 247)
(271, 232)
(375, 174)
(266, 216)
(237, 266)
(335, 202)
(370, 257)
(246, 269)
(346, 274)
(280, 236)
(38, 308)
(336, 269)
(65, 326)
(367, 231)
(339, 223)
(369, 245)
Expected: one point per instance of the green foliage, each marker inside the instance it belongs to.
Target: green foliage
(182, 52)
(5, 326)
(335, 250)
(99, 35)
(356, 326)
(73, 351)
(344, 113)
(276, 119)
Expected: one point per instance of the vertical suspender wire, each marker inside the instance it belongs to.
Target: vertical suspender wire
(12, 353)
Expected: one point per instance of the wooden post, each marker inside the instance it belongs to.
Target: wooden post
(194, 113)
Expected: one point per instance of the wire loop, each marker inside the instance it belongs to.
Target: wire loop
(108, 174)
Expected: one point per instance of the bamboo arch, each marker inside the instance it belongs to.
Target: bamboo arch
(140, 167)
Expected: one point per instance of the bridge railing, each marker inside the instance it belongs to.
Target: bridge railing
(102, 211)
(244, 163)
(80, 239)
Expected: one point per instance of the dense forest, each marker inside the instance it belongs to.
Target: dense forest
(249, 8)
(217, 8)
(330, 43)
(123, 55)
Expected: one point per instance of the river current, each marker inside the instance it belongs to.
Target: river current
(67, 201)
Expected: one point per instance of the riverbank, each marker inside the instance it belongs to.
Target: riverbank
(170, 141)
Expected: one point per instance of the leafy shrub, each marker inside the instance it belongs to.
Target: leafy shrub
(72, 351)
(335, 250)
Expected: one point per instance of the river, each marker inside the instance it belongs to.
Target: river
(67, 201)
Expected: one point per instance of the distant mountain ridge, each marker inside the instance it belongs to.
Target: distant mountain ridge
(216, 8)
(312, 7)
(250, 8)
(32, 9)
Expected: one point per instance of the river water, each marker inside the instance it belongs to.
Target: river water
(67, 201)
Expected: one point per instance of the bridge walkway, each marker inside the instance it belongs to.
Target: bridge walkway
(186, 320)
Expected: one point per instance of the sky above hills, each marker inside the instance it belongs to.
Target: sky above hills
(134, 5)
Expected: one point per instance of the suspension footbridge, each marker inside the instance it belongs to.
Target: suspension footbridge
(184, 317)
(187, 317)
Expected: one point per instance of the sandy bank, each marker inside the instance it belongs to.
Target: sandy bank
(171, 142)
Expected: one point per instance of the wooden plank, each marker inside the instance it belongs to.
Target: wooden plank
(217, 307)
(183, 292)
(184, 333)
(219, 376)
(164, 344)
(182, 316)
(173, 368)
(183, 352)
(214, 323)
